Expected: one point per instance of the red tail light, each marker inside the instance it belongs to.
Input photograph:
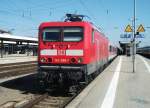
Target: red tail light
(72, 60)
(49, 59)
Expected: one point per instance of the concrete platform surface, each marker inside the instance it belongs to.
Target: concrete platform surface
(118, 87)
(16, 59)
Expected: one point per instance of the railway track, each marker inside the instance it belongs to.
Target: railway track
(47, 101)
(41, 101)
(13, 69)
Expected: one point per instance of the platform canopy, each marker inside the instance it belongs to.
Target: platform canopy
(9, 37)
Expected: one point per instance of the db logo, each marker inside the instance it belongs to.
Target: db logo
(61, 52)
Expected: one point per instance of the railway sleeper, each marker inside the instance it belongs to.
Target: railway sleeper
(38, 106)
(50, 101)
(57, 104)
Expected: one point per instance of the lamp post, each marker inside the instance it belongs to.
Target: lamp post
(134, 35)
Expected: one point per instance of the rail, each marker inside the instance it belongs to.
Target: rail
(13, 69)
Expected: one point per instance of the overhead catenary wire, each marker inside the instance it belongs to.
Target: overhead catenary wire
(32, 10)
(29, 12)
(22, 15)
(18, 12)
(86, 8)
(92, 16)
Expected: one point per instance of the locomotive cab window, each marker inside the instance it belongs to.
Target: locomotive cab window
(51, 34)
(73, 34)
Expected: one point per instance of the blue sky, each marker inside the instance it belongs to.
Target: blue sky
(24, 16)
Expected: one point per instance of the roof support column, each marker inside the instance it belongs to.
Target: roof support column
(2, 48)
(27, 48)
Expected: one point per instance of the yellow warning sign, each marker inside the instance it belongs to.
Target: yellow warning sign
(128, 29)
(141, 28)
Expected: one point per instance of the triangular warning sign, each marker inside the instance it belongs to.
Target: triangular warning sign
(141, 28)
(128, 29)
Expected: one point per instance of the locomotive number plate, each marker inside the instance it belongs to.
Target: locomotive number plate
(61, 52)
(61, 60)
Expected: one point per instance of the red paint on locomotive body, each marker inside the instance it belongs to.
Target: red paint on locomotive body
(71, 53)
(90, 47)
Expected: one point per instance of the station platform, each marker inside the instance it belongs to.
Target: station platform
(16, 59)
(117, 86)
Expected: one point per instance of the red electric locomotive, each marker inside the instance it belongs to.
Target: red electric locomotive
(70, 52)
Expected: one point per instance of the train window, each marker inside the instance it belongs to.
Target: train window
(52, 34)
(73, 34)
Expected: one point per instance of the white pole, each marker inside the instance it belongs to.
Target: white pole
(134, 36)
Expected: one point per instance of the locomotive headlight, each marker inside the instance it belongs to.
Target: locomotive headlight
(43, 60)
(80, 60)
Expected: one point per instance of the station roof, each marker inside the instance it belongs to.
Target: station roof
(9, 37)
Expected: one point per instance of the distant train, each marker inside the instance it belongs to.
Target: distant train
(145, 51)
(71, 52)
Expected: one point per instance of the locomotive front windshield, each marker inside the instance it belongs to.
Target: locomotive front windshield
(51, 34)
(67, 34)
(73, 34)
